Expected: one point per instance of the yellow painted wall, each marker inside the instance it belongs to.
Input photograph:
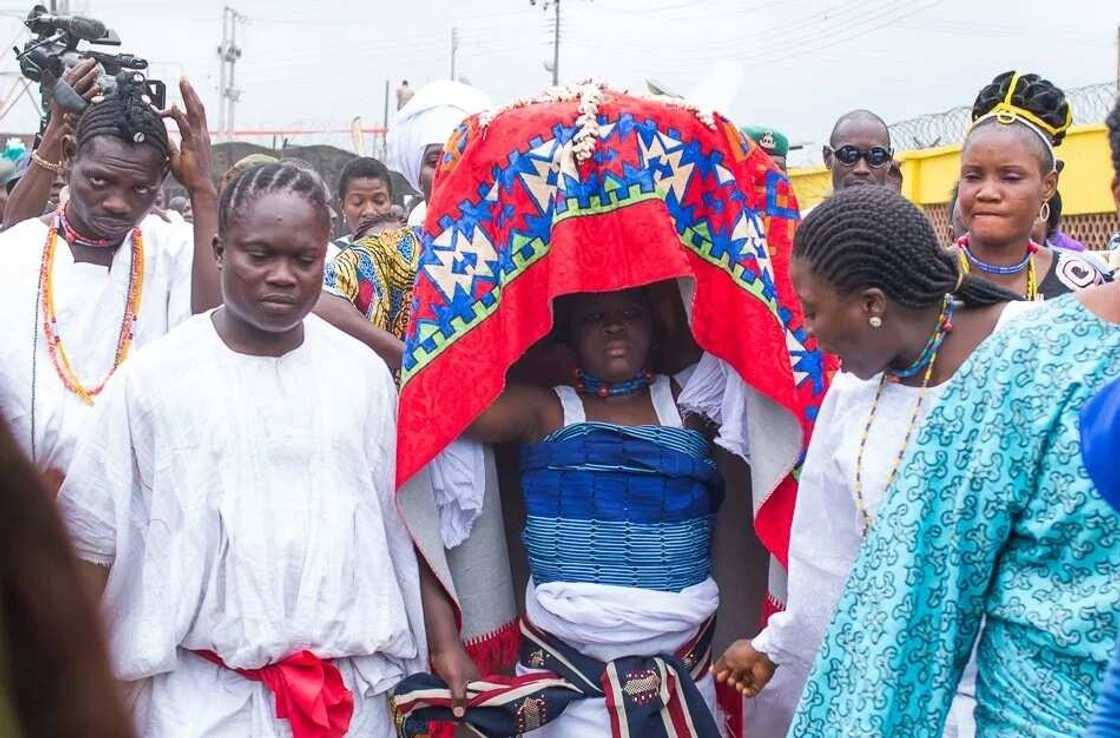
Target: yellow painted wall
(928, 175)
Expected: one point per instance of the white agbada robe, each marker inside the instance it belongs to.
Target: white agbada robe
(608, 622)
(827, 530)
(89, 303)
(245, 505)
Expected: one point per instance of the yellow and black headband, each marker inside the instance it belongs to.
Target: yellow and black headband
(1008, 113)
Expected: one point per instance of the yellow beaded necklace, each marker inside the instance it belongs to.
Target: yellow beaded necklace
(55, 347)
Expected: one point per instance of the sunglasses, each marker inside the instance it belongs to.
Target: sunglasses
(875, 157)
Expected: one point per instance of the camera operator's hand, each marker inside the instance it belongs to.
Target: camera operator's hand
(82, 78)
(35, 189)
(190, 160)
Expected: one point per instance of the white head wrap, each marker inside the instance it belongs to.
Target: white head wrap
(429, 118)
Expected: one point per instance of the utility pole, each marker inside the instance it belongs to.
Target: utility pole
(556, 46)
(555, 5)
(222, 74)
(385, 126)
(228, 52)
(454, 49)
(233, 92)
(1118, 58)
(60, 7)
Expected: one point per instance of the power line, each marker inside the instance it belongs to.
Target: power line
(837, 40)
(807, 26)
(809, 37)
(690, 5)
(511, 14)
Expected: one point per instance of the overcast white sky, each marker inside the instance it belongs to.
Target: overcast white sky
(792, 64)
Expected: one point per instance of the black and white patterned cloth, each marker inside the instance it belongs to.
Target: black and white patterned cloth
(1070, 272)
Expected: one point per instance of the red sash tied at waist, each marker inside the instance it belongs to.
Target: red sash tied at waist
(309, 692)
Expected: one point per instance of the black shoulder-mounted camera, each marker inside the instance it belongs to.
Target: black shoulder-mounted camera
(53, 49)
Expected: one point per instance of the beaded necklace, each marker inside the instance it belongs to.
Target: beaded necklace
(925, 359)
(943, 328)
(55, 347)
(72, 235)
(587, 384)
(967, 259)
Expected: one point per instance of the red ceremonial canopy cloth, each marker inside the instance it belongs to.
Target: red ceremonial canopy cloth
(590, 190)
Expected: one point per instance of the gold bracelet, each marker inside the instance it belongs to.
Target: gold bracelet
(44, 164)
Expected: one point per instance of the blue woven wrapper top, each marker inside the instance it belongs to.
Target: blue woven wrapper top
(632, 506)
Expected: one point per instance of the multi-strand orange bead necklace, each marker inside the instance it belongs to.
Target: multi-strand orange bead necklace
(55, 346)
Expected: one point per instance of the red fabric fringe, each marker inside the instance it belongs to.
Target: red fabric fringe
(770, 605)
(493, 653)
(496, 652)
(441, 730)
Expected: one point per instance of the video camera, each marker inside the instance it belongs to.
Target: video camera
(53, 49)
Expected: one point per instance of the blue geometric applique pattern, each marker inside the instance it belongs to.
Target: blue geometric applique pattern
(539, 171)
(777, 202)
(741, 253)
(663, 156)
(808, 366)
(469, 269)
(469, 273)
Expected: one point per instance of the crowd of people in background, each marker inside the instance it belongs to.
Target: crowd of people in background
(256, 423)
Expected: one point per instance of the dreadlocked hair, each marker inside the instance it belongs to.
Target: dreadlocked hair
(871, 237)
(1113, 122)
(1033, 94)
(124, 113)
(268, 179)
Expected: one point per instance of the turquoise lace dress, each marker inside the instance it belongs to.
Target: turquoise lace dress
(992, 514)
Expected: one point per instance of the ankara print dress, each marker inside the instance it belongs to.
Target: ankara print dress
(993, 517)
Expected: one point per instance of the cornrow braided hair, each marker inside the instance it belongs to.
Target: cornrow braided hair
(267, 179)
(124, 113)
(1032, 93)
(870, 236)
(1113, 122)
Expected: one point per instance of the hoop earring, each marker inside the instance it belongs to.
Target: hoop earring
(1044, 212)
(875, 322)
